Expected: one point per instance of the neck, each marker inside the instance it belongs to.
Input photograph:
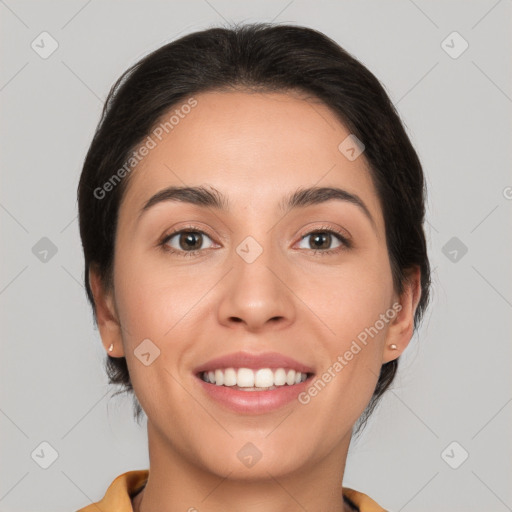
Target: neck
(176, 484)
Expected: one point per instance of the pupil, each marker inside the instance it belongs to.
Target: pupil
(319, 237)
(189, 241)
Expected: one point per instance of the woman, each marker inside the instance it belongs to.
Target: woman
(251, 212)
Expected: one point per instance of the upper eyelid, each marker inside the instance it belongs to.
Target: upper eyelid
(338, 231)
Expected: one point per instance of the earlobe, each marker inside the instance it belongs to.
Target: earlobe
(402, 327)
(106, 315)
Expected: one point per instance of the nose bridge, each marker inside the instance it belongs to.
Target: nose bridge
(257, 248)
(253, 261)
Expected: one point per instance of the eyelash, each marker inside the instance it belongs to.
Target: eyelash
(346, 244)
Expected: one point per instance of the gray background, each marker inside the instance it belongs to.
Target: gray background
(454, 382)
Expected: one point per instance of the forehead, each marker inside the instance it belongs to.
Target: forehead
(254, 147)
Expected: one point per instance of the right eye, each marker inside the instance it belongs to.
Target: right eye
(187, 241)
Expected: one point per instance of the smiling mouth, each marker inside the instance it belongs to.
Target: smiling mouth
(247, 379)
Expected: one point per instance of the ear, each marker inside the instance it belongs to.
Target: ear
(401, 327)
(106, 314)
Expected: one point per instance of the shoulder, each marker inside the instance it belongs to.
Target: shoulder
(117, 498)
(362, 501)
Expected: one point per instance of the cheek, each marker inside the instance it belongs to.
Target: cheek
(153, 306)
(151, 297)
(358, 310)
(354, 298)
(159, 303)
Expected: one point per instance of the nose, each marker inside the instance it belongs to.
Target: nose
(257, 293)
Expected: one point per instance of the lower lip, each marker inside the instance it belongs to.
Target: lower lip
(254, 402)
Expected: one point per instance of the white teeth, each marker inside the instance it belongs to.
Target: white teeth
(244, 378)
(229, 377)
(219, 377)
(280, 377)
(263, 378)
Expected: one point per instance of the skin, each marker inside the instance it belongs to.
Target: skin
(254, 148)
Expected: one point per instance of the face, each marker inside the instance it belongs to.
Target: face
(310, 282)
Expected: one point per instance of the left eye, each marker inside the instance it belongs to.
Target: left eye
(322, 239)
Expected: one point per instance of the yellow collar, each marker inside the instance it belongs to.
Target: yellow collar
(119, 494)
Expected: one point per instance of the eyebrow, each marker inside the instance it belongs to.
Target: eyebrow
(210, 197)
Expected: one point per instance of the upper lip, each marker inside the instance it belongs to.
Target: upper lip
(253, 361)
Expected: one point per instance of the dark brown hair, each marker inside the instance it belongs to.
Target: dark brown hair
(263, 57)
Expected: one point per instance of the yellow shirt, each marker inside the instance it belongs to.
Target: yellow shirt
(124, 487)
